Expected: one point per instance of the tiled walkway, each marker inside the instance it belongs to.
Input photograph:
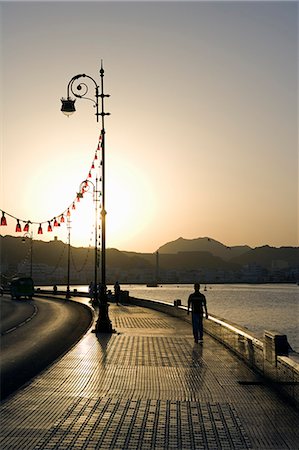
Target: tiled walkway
(148, 386)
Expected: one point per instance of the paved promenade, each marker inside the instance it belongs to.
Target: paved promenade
(148, 386)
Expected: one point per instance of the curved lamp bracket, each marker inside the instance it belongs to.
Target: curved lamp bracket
(79, 89)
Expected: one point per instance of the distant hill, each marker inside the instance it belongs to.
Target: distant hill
(268, 257)
(118, 259)
(13, 250)
(194, 261)
(203, 244)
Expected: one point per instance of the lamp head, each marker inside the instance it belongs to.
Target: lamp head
(68, 106)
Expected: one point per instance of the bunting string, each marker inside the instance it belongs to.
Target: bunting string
(60, 218)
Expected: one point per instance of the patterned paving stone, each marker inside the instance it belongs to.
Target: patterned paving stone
(147, 387)
(147, 424)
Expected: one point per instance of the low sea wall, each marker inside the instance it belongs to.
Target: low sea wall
(268, 357)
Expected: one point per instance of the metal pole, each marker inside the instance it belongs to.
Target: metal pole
(157, 267)
(68, 258)
(103, 324)
(31, 254)
(95, 296)
(103, 212)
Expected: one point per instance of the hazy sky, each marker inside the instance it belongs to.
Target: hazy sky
(203, 134)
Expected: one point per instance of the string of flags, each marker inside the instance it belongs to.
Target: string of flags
(23, 225)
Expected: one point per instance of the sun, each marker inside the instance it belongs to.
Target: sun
(129, 208)
(129, 203)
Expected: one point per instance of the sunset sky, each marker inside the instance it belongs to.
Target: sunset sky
(203, 134)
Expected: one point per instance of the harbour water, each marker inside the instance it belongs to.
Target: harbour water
(256, 307)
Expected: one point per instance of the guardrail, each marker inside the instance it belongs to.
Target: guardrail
(268, 357)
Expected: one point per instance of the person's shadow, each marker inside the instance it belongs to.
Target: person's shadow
(103, 340)
(197, 355)
(195, 375)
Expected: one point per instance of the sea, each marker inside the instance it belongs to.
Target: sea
(257, 307)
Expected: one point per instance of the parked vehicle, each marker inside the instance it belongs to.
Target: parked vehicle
(21, 287)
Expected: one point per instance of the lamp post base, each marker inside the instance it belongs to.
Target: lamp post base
(104, 324)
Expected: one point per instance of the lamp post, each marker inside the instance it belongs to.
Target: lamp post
(68, 292)
(80, 89)
(30, 237)
(84, 188)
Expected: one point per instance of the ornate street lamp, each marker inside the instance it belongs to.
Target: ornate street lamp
(80, 89)
(68, 292)
(83, 189)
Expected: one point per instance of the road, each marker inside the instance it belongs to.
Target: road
(34, 334)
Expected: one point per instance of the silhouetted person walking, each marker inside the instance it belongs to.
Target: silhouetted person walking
(117, 292)
(198, 304)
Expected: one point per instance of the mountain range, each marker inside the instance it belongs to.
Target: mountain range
(204, 244)
(179, 255)
(209, 252)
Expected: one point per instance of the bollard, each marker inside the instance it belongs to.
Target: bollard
(177, 302)
(275, 345)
